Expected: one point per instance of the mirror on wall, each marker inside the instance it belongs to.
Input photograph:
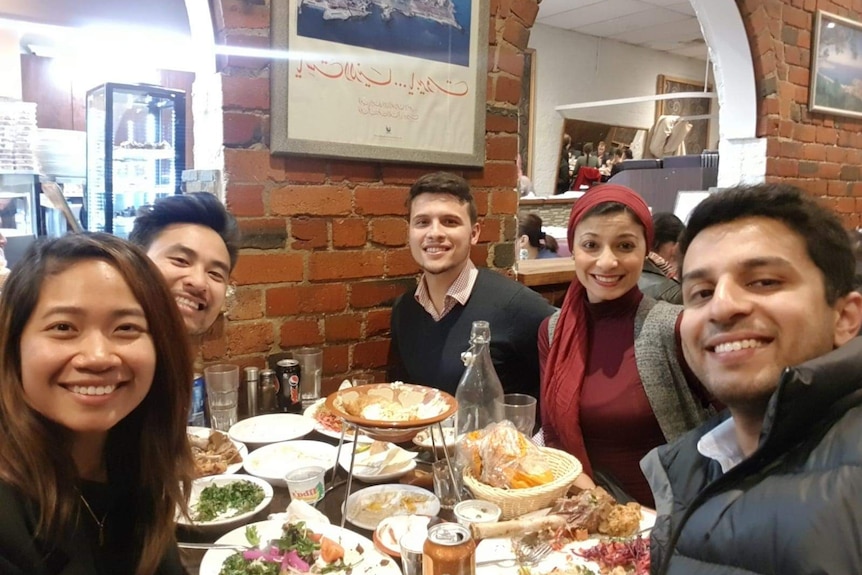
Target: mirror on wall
(583, 131)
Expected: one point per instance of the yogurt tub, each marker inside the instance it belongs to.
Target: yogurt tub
(477, 511)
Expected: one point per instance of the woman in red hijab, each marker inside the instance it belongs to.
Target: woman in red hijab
(614, 384)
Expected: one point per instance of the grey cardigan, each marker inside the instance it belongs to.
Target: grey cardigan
(675, 406)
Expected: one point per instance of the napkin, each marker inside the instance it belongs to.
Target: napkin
(382, 458)
(300, 511)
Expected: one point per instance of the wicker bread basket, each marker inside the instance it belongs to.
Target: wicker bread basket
(516, 502)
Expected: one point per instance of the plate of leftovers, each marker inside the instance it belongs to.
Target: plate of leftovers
(423, 439)
(588, 532)
(223, 501)
(328, 424)
(367, 507)
(391, 529)
(287, 548)
(378, 462)
(391, 408)
(273, 462)
(271, 428)
(214, 452)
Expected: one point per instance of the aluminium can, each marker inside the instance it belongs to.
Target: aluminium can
(197, 410)
(288, 375)
(449, 550)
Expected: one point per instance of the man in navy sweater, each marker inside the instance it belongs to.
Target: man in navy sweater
(431, 325)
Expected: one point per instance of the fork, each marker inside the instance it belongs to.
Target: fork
(534, 555)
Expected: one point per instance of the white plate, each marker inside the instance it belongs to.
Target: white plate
(402, 461)
(273, 462)
(368, 507)
(500, 551)
(391, 529)
(224, 523)
(271, 428)
(356, 548)
(423, 438)
(349, 434)
(206, 431)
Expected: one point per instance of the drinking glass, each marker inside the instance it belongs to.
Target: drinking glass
(310, 368)
(446, 491)
(520, 409)
(410, 545)
(222, 383)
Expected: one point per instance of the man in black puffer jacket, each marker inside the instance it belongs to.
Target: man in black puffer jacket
(774, 484)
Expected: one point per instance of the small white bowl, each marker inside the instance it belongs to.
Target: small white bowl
(223, 524)
(477, 511)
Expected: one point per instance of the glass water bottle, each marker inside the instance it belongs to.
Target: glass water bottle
(479, 393)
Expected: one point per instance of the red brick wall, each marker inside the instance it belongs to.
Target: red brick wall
(821, 153)
(325, 250)
(326, 240)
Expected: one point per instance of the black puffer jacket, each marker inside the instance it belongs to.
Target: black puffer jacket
(794, 507)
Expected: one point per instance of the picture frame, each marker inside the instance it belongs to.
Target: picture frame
(836, 66)
(697, 139)
(380, 85)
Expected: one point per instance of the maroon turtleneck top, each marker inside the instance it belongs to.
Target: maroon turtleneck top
(617, 421)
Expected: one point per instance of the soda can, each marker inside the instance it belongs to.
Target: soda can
(449, 550)
(288, 374)
(197, 411)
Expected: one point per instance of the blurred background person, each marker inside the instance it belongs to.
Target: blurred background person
(659, 277)
(589, 159)
(94, 458)
(525, 186)
(532, 241)
(564, 170)
(614, 381)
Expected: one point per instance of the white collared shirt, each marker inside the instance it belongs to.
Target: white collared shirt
(721, 445)
(458, 292)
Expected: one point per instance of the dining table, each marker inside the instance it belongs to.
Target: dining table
(331, 505)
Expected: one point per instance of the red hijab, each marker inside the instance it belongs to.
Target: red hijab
(567, 358)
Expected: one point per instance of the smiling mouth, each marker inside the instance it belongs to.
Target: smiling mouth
(93, 389)
(738, 345)
(189, 304)
(435, 249)
(607, 279)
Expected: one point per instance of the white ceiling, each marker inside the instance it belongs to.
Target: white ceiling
(663, 25)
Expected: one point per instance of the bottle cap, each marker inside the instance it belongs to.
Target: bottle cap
(251, 373)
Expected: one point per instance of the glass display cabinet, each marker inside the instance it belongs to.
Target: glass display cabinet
(135, 152)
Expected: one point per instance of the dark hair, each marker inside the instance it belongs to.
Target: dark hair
(825, 239)
(201, 208)
(588, 148)
(445, 183)
(618, 152)
(667, 228)
(627, 152)
(607, 208)
(567, 141)
(530, 225)
(147, 450)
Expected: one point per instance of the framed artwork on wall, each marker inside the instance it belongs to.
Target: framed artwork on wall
(697, 139)
(836, 66)
(388, 81)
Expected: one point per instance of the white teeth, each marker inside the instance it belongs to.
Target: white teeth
(93, 390)
(434, 249)
(737, 345)
(185, 302)
(607, 279)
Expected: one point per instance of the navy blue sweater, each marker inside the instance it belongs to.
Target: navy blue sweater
(429, 353)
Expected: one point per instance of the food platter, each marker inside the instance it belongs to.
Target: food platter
(271, 428)
(209, 459)
(328, 424)
(391, 411)
(230, 517)
(367, 507)
(359, 551)
(373, 465)
(496, 556)
(423, 438)
(273, 462)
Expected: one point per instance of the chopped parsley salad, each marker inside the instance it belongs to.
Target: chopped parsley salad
(298, 550)
(225, 501)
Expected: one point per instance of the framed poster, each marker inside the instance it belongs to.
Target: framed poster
(836, 67)
(381, 80)
(697, 139)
